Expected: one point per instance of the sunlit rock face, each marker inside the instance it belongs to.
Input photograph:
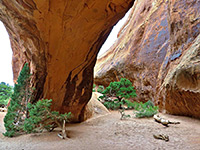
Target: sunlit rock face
(158, 49)
(60, 39)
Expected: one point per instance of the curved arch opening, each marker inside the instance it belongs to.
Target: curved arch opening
(6, 74)
(113, 34)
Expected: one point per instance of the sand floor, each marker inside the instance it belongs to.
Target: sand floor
(111, 133)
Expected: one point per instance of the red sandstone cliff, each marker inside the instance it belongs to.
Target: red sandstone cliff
(158, 49)
(60, 39)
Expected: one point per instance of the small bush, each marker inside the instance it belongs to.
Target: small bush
(93, 89)
(129, 104)
(41, 117)
(114, 104)
(123, 115)
(100, 89)
(145, 109)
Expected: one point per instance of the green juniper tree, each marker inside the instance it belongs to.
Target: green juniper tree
(17, 111)
(115, 95)
(25, 117)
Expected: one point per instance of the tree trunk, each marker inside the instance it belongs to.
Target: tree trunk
(60, 40)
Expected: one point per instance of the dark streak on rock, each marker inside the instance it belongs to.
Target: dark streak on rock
(74, 96)
(69, 90)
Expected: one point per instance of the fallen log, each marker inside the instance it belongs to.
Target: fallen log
(60, 136)
(163, 121)
(161, 137)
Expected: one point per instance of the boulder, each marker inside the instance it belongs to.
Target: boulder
(94, 107)
(60, 40)
(158, 50)
(179, 93)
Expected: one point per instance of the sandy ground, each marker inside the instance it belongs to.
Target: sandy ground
(111, 133)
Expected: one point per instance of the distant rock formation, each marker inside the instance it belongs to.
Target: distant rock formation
(60, 40)
(158, 49)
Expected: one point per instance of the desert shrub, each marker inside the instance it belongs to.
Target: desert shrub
(129, 104)
(93, 89)
(100, 89)
(115, 95)
(145, 109)
(123, 114)
(114, 104)
(41, 117)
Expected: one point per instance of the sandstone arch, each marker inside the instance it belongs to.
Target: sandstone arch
(60, 39)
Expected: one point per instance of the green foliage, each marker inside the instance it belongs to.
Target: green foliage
(121, 89)
(41, 117)
(94, 86)
(100, 89)
(129, 104)
(15, 115)
(24, 117)
(115, 95)
(114, 104)
(145, 109)
(123, 115)
(5, 93)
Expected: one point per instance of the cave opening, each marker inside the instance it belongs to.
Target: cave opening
(6, 74)
(111, 39)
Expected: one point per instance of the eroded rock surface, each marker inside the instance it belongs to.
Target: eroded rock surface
(60, 39)
(158, 50)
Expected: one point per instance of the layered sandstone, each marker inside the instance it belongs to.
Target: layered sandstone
(60, 39)
(158, 50)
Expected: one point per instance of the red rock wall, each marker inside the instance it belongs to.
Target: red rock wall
(158, 50)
